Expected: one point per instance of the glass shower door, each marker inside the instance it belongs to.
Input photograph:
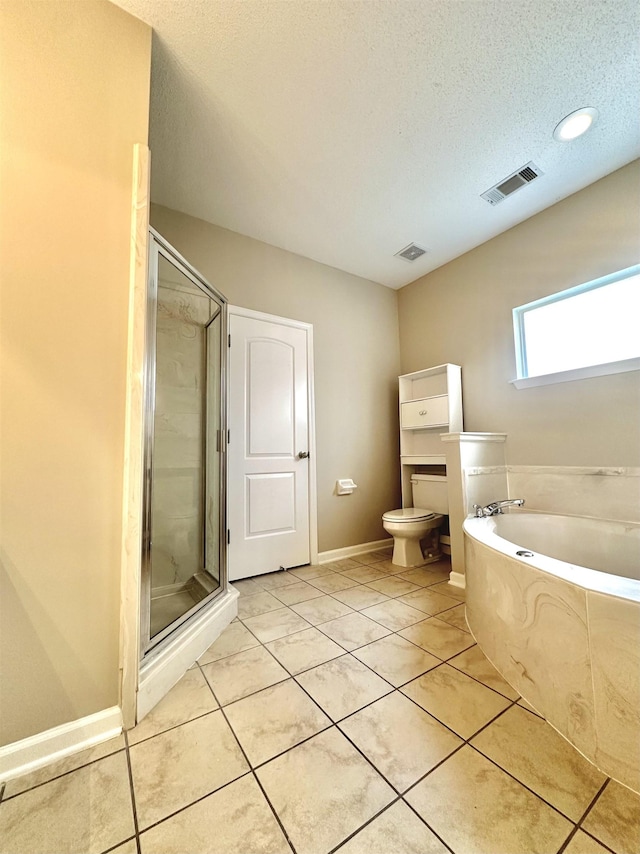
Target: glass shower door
(185, 553)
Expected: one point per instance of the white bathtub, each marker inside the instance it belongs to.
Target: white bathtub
(563, 625)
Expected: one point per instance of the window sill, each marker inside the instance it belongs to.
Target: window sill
(578, 373)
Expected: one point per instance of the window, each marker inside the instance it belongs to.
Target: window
(589, 330)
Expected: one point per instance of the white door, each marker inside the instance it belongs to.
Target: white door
(269, 444)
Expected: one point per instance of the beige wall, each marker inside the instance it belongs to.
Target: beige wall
(461, 313)
(75, 94)
(356, 362)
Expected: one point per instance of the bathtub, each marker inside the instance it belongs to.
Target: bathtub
(562, 625)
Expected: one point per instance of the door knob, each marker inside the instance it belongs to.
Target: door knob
(303, 455)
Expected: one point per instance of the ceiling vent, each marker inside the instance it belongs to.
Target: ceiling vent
(411, 252)
(513, 182)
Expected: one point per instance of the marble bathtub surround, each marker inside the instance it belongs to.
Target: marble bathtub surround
(572, 652)
(302, 746)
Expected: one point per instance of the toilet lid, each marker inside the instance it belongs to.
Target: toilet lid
(409, 514)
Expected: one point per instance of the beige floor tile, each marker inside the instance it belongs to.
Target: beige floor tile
(243, 673)
(388, 567)
(273, 720)
(353, 631)
(397, 829)
(429, 601)
(363, 574)
(188, 699)
(321, 610)
(360, 597)
(180, 766)
(343, 686)
(128, 847)
(393, 586)
(425, 576)
(235, 819)
(84, 812)
(401, 740)
(394, 615)
(63, 766)
(455, 699)
(344, 563)
(368, 559)
(615, 819)
(293, 594)
(474, 663)
(275, 580)
(235, 638)
(304, 650)
(582, 843)
(257, 603)
(323, 791)
(438, 638)
(396, 659)
(276, 624)
(247, 587)
(522, 702)
(475, 807)
(448, 589)
(306, 573)
(455, 616)
(332, 583)
(534, 753)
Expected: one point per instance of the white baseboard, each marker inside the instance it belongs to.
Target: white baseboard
(34, 752)
(349, 551)
(160, 673)
(457, 579)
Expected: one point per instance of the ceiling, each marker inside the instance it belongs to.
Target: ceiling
(343, 130)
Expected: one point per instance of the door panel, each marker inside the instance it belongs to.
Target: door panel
(269, 426)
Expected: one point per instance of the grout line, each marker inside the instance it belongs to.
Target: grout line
(118, 844)
(255, 777)
(582, 818)
(57, 776)
(424, 821)
(366, 824)
(133, 794)
(3, 786)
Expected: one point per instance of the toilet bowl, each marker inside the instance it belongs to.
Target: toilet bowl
(416, 530)
(409, 527)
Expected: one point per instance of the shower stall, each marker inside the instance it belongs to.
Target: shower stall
(183, 538)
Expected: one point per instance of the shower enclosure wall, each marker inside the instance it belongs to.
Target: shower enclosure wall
(184, 520)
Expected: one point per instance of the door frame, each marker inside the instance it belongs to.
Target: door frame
(307, 328)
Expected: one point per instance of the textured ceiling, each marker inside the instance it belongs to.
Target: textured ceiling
(343, 130)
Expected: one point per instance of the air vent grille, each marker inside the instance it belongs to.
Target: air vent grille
(496, 194)
(411, 252)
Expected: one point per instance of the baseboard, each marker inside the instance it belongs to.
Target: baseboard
(349, 551)
(34, 752)
(165, 667)
(457, 579)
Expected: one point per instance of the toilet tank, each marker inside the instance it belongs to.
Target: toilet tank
(429, 491)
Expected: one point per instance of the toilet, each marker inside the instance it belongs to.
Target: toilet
(416, 530)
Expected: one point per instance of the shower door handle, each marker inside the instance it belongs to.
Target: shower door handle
(303, 455)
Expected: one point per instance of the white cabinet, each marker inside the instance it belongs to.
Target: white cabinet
(430, 405)
(426, 412)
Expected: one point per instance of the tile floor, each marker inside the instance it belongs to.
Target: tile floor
(347, 709)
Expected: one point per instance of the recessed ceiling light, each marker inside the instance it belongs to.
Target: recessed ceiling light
(575, 124)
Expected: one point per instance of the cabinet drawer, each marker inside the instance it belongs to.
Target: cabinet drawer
(428, 412)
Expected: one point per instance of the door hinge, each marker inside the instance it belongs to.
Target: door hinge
(229, 339)
(228, 537)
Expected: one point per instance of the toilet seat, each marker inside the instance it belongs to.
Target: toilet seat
(409, 514)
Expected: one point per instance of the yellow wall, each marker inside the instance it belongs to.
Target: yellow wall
(355, 329)
(461, 313)
(74, 100)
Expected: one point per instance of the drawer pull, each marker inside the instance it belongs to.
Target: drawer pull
(422, 412)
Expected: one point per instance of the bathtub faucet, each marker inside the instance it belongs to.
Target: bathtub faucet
(496, 507)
